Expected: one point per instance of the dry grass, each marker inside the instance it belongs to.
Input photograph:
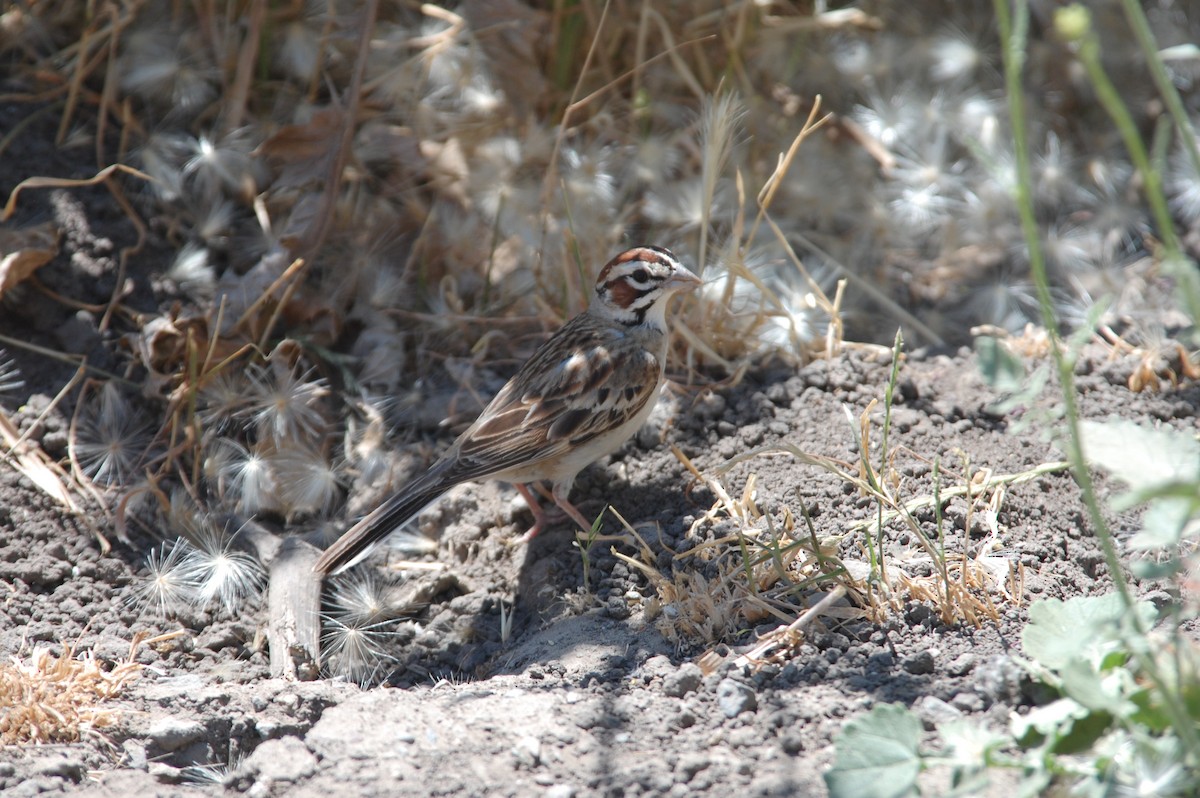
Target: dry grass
(61, 698)
(772, 566)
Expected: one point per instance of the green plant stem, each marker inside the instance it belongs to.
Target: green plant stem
(1110, 99)
(1174, 262)
(1013, 33)
(1136, 16)
(1013, 36)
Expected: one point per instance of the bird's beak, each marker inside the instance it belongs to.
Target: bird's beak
(683, 280)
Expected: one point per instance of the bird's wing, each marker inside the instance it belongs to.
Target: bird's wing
(587, 380)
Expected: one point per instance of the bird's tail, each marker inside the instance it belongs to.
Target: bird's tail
(359, 539)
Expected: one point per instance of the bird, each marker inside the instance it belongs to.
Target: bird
(580, 396)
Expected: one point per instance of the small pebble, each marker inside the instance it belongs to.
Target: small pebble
(920, 663)
(171, 734)
(734, 698)
(683, 680)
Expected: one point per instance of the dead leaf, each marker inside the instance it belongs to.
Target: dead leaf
(28, 458)
(513, 37)
(303, 152)
(24, 251)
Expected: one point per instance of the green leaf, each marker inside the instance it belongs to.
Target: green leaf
(1099, 692)
(1085, 627)
(1082, 734)
(1001, 369)
(1033, 784)
(1151, 570)
(1144, 458)
(1047, 722)
(969, 745)
(1163, 525)
(1061, 727)
(877, 755)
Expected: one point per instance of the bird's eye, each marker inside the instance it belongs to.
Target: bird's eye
(640, 276)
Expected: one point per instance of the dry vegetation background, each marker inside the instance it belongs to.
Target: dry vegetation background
(376, 210)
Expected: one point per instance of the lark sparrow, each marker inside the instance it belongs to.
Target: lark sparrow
(582, 394)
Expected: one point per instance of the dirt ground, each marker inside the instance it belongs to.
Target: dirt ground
(587, 695)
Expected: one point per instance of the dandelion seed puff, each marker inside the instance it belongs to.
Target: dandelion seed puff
(10, 375)
(245, 476)
(168, 586)
(1056, 175)
(894, 115)
(224, 399)
(589, 180)
(285, 405)
(162, 157)
(355, 650)
(299, 50)
(309, 483)
(214, 223)
(1073, 248)
(494, 174)
(359, 621)
(221, 572)
(975, 119)
(925, 189)
(212, 774)
(656, 159)
(360, 597)
(192, 272)
(223, 164)
(1003, 301)
(110, 439)
(167, 69)
(767, 299)
(1117, 213)
(682, 204)
(854, 58)
(956, 55)
(1183, 184)
(365, 439)
(408, 543)
(800, 321)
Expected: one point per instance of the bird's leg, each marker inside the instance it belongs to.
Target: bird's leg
(559, 497)
(535, 507)
(559, 494)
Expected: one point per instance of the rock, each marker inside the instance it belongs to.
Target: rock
(689, 765)
(171, 734)
(998, 678)
(683, 680)
(933, 711)
(920, 663)
(62, 765)
(165, 773)
(734, 698)
(967, 702)
(962, 664)
(286, 759)
(527, 753)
